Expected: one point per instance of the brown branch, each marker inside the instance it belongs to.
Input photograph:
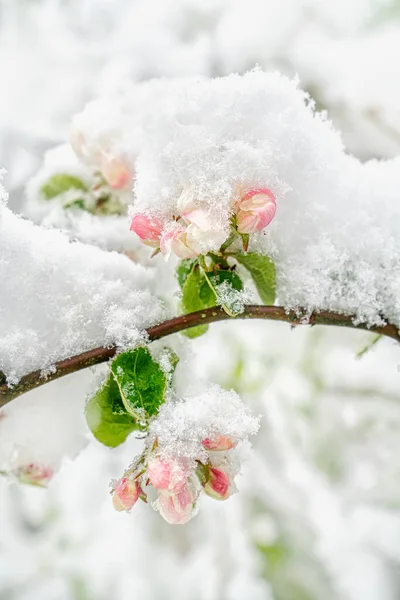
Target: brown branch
(202, 317)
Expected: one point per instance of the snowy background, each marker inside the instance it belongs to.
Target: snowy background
(318, 513)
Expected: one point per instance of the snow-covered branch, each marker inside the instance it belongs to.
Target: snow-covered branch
(181, 323)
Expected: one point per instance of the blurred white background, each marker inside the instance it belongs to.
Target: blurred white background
(318, 513)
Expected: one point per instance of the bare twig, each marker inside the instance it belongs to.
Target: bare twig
(202, 317)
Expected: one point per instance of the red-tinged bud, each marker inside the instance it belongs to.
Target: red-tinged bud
(126, 494)
(219, 442)
(255, 210)
(217, 484)
(148, 229)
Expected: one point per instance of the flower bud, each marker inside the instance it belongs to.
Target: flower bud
(148, 229)
(175, 240)
(178, 509)
(217, 484)
(166, 475)
(115, 171)
(255, 210)
(126, 494)
(34, 474)
(219, 442)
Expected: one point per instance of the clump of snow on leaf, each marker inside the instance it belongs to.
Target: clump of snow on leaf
(182, 425)
(60, 298)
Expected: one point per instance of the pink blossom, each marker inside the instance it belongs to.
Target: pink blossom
(219, 442)
(217, 484)
(34, 474)
(147, 228)
(178, 509)
(126, 494)
(115, 171)
(175, 240)
(166, 475)
(204, 233)
(255, 210)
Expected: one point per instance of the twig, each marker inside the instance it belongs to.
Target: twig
(202, 317)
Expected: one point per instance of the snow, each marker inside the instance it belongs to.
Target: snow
(182, 425)
(335, 237)
(60, 298)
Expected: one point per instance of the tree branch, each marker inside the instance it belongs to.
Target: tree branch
(202, 317)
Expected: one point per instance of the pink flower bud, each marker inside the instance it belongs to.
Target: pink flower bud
(34, 474)
(178, 509)
(255, 210)
(175, 240)
(126, 494)
(217, 484)
(166, 475)
(115, 171)
(219, 442)
(148, 229)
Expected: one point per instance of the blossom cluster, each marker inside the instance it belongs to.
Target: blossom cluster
(194, 230)
(177, 481)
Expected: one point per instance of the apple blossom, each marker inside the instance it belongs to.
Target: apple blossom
(167, 475)
(203, 233)
(186, 201)
(148, 229)
(126, 494)
(115, 171)
(255, 210)
(219, 442)
(217, 483)
(178, 509)
(175, 240)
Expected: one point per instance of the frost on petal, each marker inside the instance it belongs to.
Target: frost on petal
(166, 474)
(174, 240)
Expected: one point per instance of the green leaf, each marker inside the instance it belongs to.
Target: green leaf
(132, 393)
(226, 284)
(196, 295)
(106, 415)
(60, 183)
(141, 381)
(184, 269)
(262, 270)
